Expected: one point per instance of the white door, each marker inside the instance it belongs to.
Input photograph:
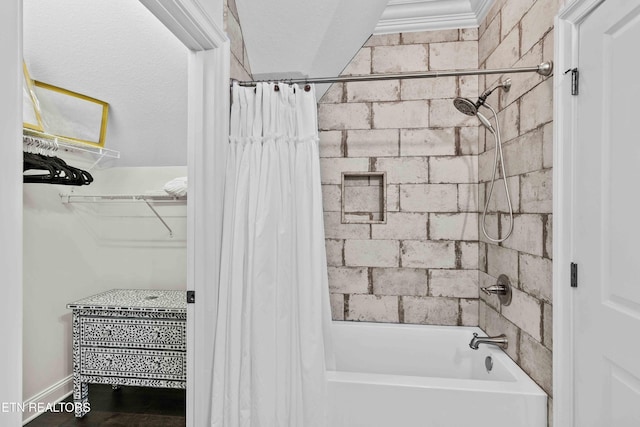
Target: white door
(606, 218)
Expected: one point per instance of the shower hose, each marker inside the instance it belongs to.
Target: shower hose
(499, 160)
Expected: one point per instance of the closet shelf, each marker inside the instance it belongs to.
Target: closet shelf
(93, 198)
(148, 199)
(50, 142)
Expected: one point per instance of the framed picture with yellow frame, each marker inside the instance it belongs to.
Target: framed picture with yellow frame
(63, 113)
(30, 111)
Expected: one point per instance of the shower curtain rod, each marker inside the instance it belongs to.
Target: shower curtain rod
(544, 69)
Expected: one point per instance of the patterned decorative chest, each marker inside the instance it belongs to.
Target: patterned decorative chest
(134, 337)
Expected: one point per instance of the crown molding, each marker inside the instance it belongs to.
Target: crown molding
(401, 16)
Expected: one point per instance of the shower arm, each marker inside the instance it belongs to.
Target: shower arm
(506, 85)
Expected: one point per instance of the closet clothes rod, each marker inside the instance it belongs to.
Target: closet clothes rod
(544, 69)
(67, 144)
(52, 143)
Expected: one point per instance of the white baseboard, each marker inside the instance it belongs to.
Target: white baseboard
(51, 395)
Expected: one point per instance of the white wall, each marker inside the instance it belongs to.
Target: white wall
(116, 51)
(10, 209)
(75, 250)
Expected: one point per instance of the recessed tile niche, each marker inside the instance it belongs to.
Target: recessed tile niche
(364, 198)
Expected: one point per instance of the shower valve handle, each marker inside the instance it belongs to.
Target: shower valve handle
(502, 289)
(495, 290)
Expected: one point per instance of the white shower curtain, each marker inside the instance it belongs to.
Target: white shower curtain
(271, 338)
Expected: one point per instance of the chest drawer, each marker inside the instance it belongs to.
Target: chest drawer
(133, 333)
(160, 365)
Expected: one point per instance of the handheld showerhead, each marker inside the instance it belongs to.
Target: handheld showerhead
(465, 106)
(469, 108)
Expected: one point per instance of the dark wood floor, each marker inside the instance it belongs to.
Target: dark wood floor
(126, 407)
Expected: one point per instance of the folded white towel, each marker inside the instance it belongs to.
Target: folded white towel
(177, 187)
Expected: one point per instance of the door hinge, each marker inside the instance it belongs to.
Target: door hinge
(575, 80)
(191, 297)
(574, 275)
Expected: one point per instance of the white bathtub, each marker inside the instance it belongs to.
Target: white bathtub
(427, 376)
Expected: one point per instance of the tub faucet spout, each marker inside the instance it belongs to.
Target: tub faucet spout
(499, 340)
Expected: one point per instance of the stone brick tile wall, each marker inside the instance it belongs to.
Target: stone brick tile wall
(421, 266)
(520, 33)
(240, 69)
